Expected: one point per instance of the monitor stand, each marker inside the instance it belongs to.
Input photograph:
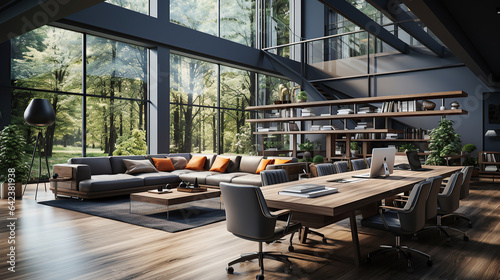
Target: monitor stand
(386, 169)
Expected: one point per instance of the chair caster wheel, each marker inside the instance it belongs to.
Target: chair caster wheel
(414, 237)
(229, 270)
(466, 238)
(324, 241)
(259, 277)
(429, 263)
(470, 225)
(448, 239)
(290, 248)
(288, 270)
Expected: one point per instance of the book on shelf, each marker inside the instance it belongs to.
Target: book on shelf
(327, 127)
(325, 115)
(344, 111)
(315, 127)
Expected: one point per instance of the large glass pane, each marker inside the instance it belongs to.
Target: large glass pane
(237, 21)
(195, 14)
(114, 128)
(193, 129)
(192, 81)
(237, 88)
(62, 140)
(237, 136)
(47, 58)
(141, 6)
(277, 24)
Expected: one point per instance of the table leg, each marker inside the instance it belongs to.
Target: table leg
(355, 240)
(303, 235)
(168, 212)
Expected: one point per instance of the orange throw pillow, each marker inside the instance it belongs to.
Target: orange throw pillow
(220, 164)
(163, 164)
(281, 161)
(263, 164)
(196, 163)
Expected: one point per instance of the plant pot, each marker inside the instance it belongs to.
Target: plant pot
(301, 100)
(278, 102)
(307, 154)
(353, 153)
(18, 190)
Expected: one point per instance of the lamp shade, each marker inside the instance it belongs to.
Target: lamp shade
(39, 113)
(491, 133)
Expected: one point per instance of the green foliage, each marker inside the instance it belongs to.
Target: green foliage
(469, 148)
(407, 147)
(318, 159)
(306, 146)
(354, 146)
(134, 144)
(444, 141)
(12, 154)
(302, 95)
(470, 161)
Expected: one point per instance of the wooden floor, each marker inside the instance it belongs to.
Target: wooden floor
(52, 243)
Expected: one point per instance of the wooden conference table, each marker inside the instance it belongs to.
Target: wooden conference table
(322, 211)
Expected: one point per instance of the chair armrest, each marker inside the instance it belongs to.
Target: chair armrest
(77, 173)
(399, 201)
(284, 212)
(382, 207)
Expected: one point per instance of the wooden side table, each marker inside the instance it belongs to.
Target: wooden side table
(53, 183)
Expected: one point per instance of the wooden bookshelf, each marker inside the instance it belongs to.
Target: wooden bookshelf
(483, 163)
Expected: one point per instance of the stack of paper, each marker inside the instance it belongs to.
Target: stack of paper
(308, 190)
(365, 110)
(344, 111)
(315, 127)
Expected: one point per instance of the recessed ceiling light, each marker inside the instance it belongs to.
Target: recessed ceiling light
(498, 11)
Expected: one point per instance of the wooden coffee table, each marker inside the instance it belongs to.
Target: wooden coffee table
(173, 198)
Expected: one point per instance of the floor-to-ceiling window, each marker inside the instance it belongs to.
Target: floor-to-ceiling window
(141, 6)
(48, 63)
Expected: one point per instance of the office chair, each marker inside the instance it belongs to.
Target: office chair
(448, 202)
(464, 191)
(369, 162)
(358, 164)
(248, 217)
(399, 221)
(271, 177)
(325, 169)
(342, 166)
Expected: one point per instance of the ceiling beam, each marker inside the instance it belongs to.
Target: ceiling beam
(392, 10)
(357, 17)
(20, 16)
(437, 18)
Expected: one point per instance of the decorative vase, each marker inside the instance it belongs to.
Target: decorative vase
(307, 154)
(454, 105)
(442, 108)
(428, 105)
(353, 153)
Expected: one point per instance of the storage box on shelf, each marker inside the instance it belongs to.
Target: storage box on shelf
(365, 132)
(489, 165)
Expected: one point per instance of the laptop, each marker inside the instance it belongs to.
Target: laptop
(414, 161)
(382, 163)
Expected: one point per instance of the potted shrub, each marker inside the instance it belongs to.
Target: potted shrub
(301, 96)
(354, 148)
(317, 159)
(467, 150)
(444, 142)
(407, 147)
(12, 164)
(307, 147)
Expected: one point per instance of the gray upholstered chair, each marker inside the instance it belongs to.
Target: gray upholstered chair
(341, 166)
(369, 162)
(464, 191)
(325, 169)
(401, 221)
(358, 164)
(271, 177)
(448, 202)
(248, 217)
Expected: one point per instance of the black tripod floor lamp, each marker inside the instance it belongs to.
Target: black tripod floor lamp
(39, 113)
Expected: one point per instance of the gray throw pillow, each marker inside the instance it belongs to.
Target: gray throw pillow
(179, 162)
(138, 166)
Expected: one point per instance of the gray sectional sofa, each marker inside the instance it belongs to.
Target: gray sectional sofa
(105, 176)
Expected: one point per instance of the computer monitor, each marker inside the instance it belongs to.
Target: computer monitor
(379, 157)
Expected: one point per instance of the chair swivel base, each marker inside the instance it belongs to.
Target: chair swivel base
(401, 250)
(461, 216)
(442, 229)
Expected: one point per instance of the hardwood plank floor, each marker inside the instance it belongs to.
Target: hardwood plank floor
(53, 243)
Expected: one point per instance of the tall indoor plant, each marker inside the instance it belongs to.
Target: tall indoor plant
(444, 142)
(12, 159)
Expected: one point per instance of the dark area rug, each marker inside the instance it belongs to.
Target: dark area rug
(117, 208)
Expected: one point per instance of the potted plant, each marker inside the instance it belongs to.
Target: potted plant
(407, 147)
(301, 96)
(444, 142)
(317, 159)
(307, 147)
(467, 150)
(13, 168)
(354, 148)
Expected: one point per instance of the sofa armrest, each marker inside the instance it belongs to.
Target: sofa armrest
(77, 173)
(293, 169)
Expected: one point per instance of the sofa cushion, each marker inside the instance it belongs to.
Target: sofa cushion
(234, 163)
(139, 166)
(250, 179)
(262, 165)
(196, 163)
(214, 180)
(187, 156)
(158, 178)
(249, 164)
(292, 159)
(117, 165)
(110, 182)
(220, 164)
(181, 171)
(281, 161)
(210, 160)
(98, 165)
(179, 162)
(163, 164)
(201, 175)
